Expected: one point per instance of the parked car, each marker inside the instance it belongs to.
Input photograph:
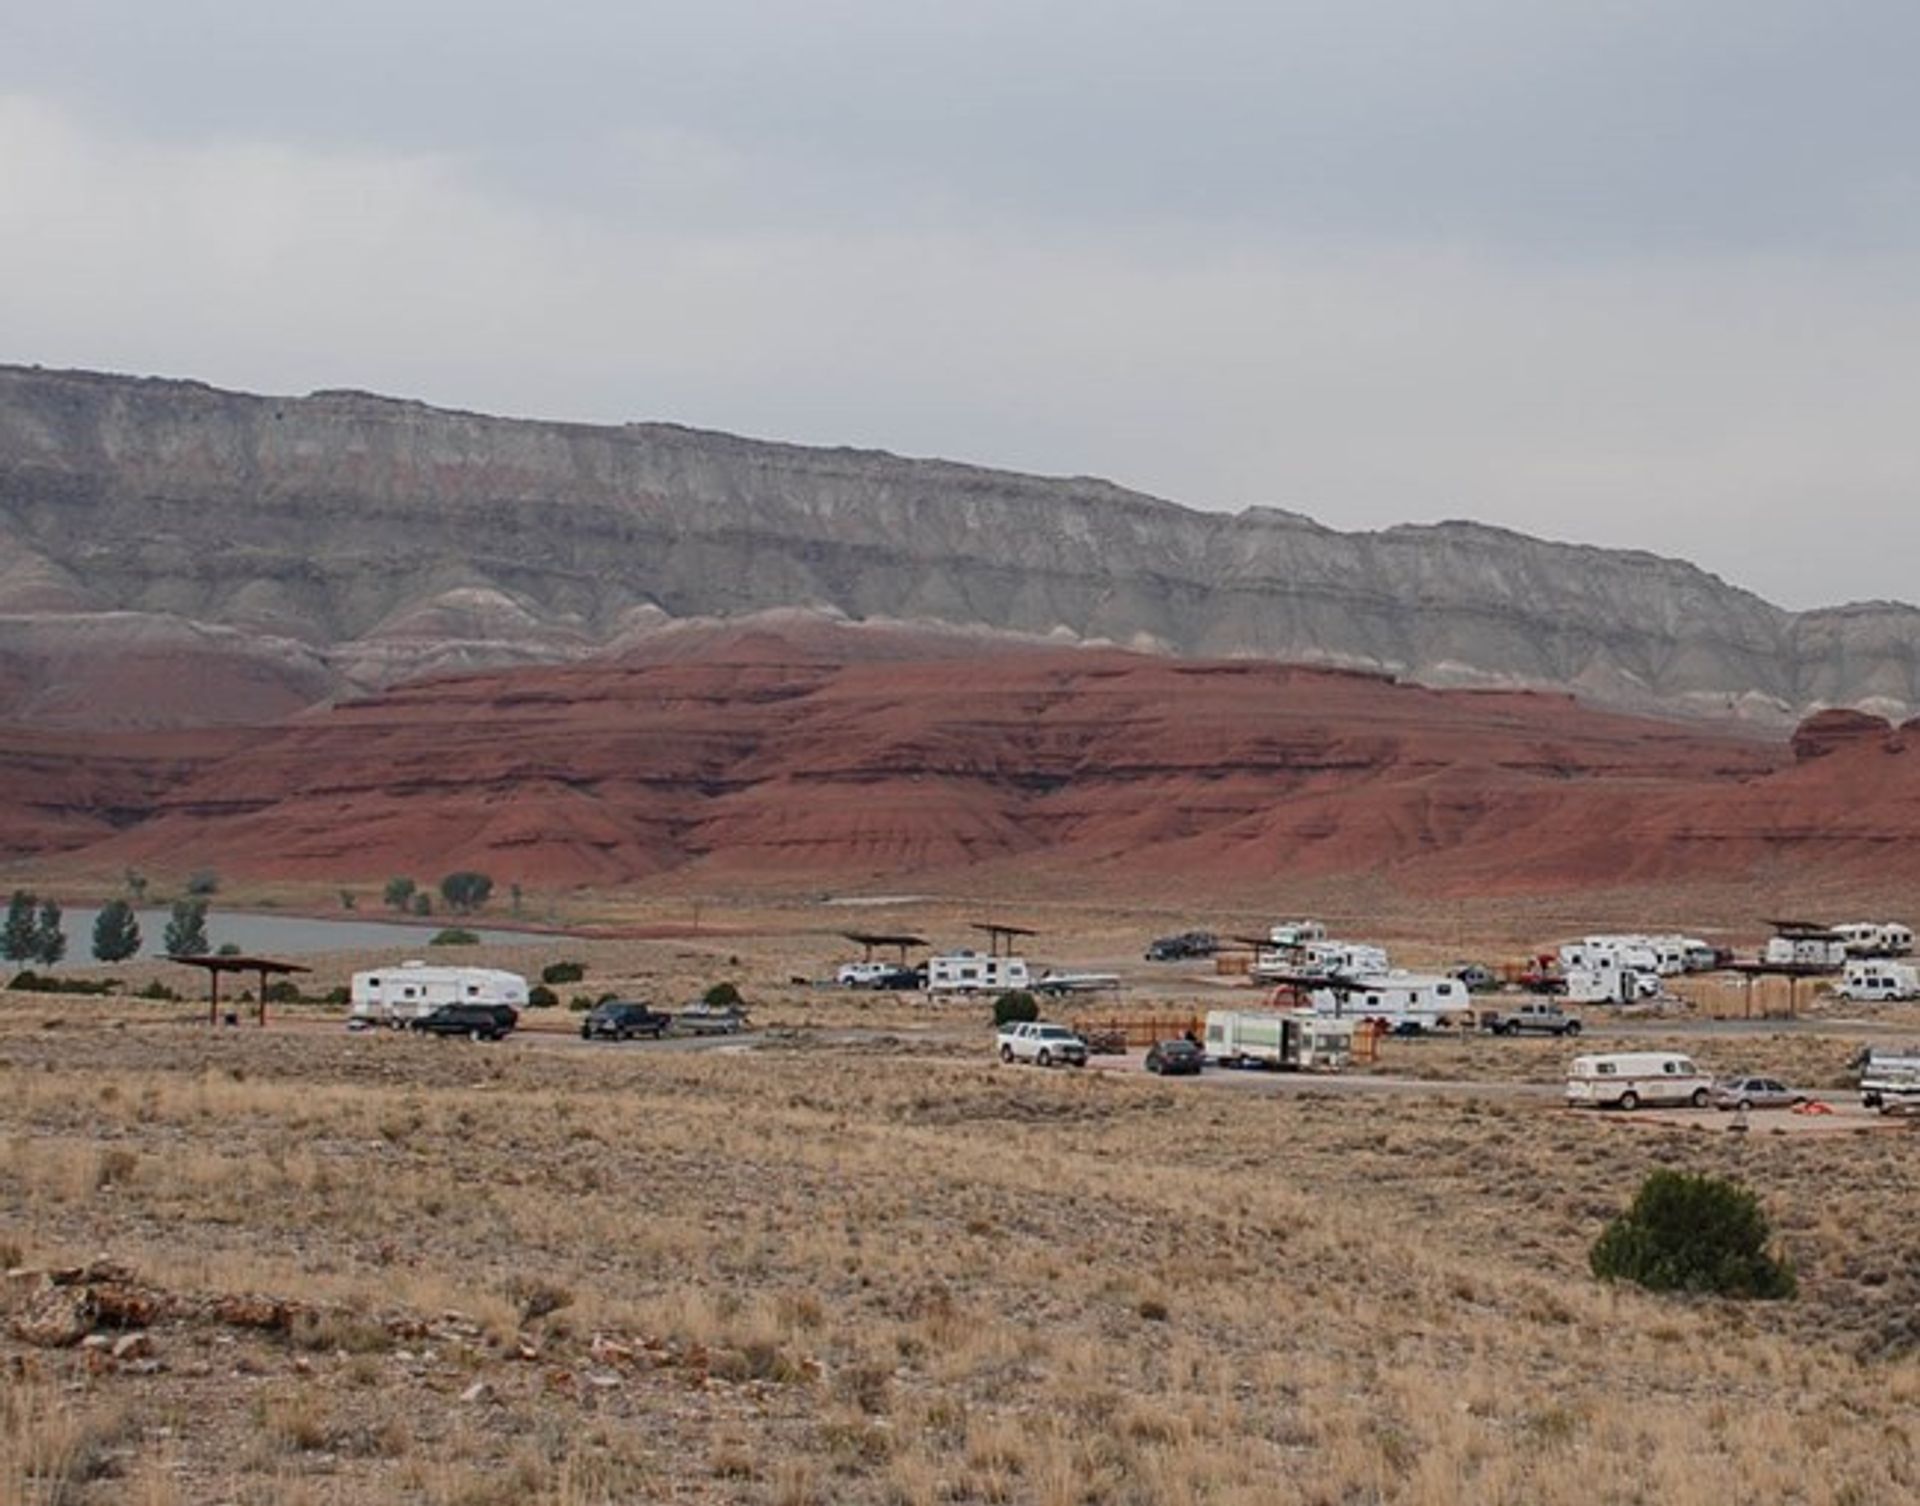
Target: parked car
(1175, 1058)
(480, 1022)
(1755, 1093)
(900, 979)
(622, 1019)
(1478, 977)
(703, 1018)
(1042, 1044)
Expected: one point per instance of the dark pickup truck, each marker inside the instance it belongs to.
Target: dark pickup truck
(480, 1022)
(622, 1019)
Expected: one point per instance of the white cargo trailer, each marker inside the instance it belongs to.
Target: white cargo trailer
(397, 995)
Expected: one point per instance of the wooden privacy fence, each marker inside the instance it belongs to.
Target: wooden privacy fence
(1126, 1032)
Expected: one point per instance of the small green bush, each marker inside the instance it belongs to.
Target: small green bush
(42, 983)
(563, 972)
(1015, 1008)
(453, 936)
(541, 997)
(723, 996)
(158, 990)
(1693, 1233)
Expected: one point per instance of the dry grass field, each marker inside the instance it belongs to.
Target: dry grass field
(888, 1270)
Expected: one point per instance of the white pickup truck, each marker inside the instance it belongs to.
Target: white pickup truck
(1042, 1044)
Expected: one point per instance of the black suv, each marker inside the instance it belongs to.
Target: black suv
(622, 1019)
(480, 1022)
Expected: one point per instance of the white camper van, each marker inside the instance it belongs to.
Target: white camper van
(1423, 999)
(398, 995)
(1293, 1040)
(1871, 981)
(1294, 933)
(1629, 1079)
(970, 972)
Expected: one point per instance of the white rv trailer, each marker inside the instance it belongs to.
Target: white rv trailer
(1605, 982)
(1352, 958)
(1292, 1040)
(1665, 954)
(1296, 933)
(1875, 938)
(1872, 980)
(396, 995)
(1424, 999)
(968, 972)
(1805, 951)
(1628, 1079)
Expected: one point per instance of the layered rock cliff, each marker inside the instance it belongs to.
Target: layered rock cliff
(278, 551)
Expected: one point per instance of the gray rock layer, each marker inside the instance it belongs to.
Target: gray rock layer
(372, 538)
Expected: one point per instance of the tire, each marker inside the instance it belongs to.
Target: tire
(1629, 1100)
(1745, 1105)
(1044, 1059)
(1573, 1028)
(1006, 1054)
(1700, 1098)
(1077, 1062)
(476, 1035)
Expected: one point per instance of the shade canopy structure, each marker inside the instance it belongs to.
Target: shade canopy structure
(1000, 938)
(265, 967)
(871, 939)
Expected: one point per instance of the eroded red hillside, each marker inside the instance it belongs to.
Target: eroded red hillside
(750, 761)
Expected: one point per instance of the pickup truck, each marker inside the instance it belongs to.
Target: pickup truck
(1536, 1017)
(1041, 1044)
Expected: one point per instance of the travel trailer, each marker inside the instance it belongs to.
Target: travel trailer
(1666, 955)
(1610, 985)
(1296, 1040)
(1295, 933)
(1890, 1077)
(1875, 938)
(1802, 944)
(967, 972)
(397, 996)
(1423, 999)
(1633, 1079)
(1874, 981)
(1321, 958)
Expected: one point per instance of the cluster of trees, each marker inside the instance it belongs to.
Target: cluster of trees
(463, 892)
(33, 932)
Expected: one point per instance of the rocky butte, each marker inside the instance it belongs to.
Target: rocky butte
(171, 554)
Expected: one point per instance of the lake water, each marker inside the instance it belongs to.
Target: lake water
(260, 935)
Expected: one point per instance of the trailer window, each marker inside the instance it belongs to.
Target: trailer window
(1603, 1069)
(472, 989)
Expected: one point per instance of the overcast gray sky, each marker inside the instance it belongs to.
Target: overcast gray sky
(1637, 273)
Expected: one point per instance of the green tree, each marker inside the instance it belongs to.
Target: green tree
(723, 996)
(399, 893)
(466, 891)
(187, 930)
(116, 932)
(49, 938)
(18, 941)
(1015, 1008)
(1693, 1233)
(422, 903)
